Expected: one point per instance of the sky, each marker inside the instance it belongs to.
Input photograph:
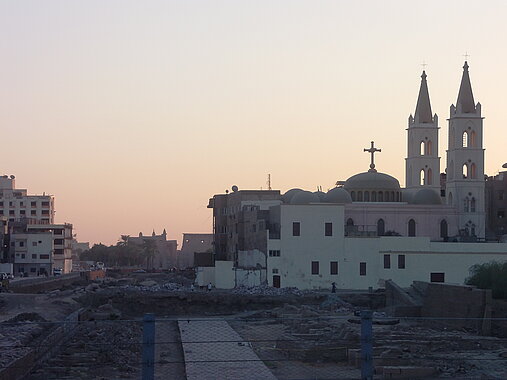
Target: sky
(134, 113)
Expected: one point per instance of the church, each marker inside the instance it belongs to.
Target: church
(375, 202)
(368, 229)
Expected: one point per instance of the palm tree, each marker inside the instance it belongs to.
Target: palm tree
(149, 248)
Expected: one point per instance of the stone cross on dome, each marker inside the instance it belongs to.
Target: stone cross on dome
(372, 151)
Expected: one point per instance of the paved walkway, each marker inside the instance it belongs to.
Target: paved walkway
(214, 351)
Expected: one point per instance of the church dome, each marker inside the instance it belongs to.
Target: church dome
(338, 195)
(426, 197)
(321, 195)
(287, 197)
(304, 197)
(372, 180)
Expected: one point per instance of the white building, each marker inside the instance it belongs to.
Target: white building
(369, 229)
(16, 204)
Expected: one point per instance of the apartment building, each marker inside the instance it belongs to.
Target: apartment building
(16, 204)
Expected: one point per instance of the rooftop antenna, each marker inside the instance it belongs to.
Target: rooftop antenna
(269, 182)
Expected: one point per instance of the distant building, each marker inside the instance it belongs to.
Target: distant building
(165, 250)
(16, 204)
(194, 244)
(230, 225)
(496, 205)
(40, 248)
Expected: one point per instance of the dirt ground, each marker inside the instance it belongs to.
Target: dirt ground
(299, 335)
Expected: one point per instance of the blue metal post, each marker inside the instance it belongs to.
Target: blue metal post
(148, 370)
(366, 345)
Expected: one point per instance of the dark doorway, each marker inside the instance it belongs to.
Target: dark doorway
(443, 229)
(381, 227)
(411, 227)
(276, 281)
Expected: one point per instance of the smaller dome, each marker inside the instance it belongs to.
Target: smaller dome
(321, 195)
(426, 197)
(287, 197)
(338, 195)
(407, 195)
(304, 197)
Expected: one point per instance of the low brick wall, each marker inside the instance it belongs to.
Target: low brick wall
(37, 285)
(45, 348)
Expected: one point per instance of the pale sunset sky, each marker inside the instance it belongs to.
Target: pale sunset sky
(134, 113)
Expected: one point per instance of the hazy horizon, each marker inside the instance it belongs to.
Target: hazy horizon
(133, 114)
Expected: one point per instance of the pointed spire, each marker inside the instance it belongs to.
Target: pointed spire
(423, 109)
(465, 95)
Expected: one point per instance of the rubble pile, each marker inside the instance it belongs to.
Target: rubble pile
(268, 291)
(98, 350)
(18, 335)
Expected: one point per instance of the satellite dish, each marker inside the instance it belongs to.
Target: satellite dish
(234, 188)
(504, 166)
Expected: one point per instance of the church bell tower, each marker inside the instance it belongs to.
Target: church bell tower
(465, 161)
(422, 165)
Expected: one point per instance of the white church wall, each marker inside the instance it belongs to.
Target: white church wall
(422, 257)
(397, 215)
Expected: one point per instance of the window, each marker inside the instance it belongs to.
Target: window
(328, 229)
(465, 171)
(429, 181)
(33, 270)
(45, 212)
(437, 277)
(380, 196)
(500, 214)
(275, 270)
(11, 204)
(381, 227)
(472, 139)
(45, 204)
(401, 261)
(34, 256)
(422, 149)
(421, 177)
(22, 212)
(2, 204)
(58, 241)
(443, 229)
(44, 257)
(373, 196)
(472, 205)
(411, 227)
(465, 140)
(315, 267)
(500, 195)
(274, 253)
(333, 267)
(21, 243)
(350, 222)
(366, 196)
(33, 204)
(254, 227)
(428, 147)
(296, 229)
(387, 261)
(23, 256)
(359, 196)
(59, 251)
(11, 212)
(1, 212)
(33, 212)
(362, 269)
(21, 204)
(353, 195)
(473, 171)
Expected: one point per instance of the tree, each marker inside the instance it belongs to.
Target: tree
(492, 275)
(149, 249)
